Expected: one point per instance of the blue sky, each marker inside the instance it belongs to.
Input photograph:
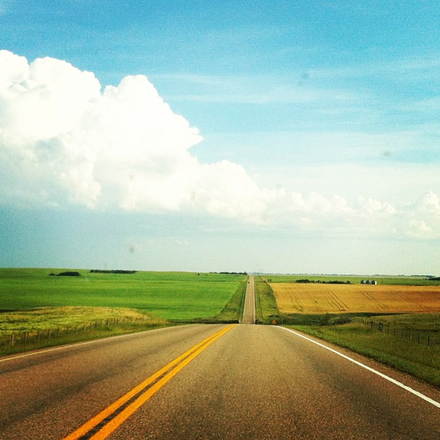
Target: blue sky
(281, 136)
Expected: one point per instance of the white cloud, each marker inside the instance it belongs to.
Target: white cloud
(65, 141)
(423, 217)
(225, 188)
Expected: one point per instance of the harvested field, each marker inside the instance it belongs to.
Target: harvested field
(381, 299)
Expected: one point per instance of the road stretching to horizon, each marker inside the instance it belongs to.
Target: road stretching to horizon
(248, 316)
(211, 382)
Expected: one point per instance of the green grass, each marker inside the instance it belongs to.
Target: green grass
(38, 310)
(168, 295)
(48, 326)
(266, 305)
(233, 310)
(45, 318)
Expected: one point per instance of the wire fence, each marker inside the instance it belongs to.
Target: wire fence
(429, 337)
(14, 338)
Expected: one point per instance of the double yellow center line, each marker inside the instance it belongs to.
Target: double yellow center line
(108, 420)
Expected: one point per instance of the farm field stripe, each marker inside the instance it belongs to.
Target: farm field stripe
(372, 370)
(152, 384)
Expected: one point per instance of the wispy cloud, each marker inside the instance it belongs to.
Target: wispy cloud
(424, 105)
(254, 89)
(401, 69)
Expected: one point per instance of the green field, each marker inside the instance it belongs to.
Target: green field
(38, 310)
(169, 295)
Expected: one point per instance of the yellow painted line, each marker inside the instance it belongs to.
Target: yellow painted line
(172, 368)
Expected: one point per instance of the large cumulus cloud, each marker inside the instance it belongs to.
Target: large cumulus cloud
(64, 140)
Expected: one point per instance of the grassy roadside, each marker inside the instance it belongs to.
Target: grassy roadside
(417, 359)
(407, 342)
(266, 305)
(51, 326)
(231, 312)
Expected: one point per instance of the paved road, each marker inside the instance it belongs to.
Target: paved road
(252, 382)
(249, 303)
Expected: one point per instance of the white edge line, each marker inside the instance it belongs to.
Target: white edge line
(72, 345)
(60, 347)
(384, 376)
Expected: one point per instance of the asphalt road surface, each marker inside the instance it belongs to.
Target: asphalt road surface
(210, 382)
(249, 303)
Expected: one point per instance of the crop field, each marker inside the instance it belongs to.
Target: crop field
(168, 295)
(398, 325)
(355, 298)
(356, 279)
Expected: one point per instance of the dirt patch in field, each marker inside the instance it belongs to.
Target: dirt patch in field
(325, 298)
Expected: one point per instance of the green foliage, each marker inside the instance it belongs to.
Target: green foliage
(266, 305)
(234, 308)
(169, 295)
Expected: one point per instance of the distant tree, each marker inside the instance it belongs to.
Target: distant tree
(65, 274)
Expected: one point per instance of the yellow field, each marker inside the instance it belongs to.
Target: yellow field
(355, 298)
